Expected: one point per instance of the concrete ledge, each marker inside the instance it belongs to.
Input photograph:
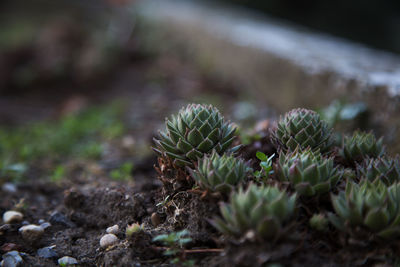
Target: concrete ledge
(282, 65)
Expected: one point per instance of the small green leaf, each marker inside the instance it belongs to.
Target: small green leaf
(261, 156)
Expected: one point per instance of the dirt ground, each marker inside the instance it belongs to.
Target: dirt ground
(82, 205)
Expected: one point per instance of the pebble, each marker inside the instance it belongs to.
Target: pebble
(9, 188)
(25, 223)
(155, 219)
(67, 260)
(108, 240)
(12, 259)
(6, 247)
(60, 219)
(12, 216)
(113, 229)
(31, 232)
(41, 221)
(47, 252)
(4, 228)
(128, 141)
(45, 225)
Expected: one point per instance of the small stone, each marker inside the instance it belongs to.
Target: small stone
(155, 219)
(41, 221)
(113, 229)
(66, 261)
(45, 225)
(60, 219)
(108, 240)
(6, 247)
(31, 232)
(128, 142)
(4, 228)
(25, 223)
(12, 216)
(47, 252)
(12, 259)
(9, 188)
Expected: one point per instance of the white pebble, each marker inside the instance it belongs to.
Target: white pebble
(66, 261)
(12, 216)
(9, 187)
(45, 225)
(31, 232)
(108, 240)
(113, 229)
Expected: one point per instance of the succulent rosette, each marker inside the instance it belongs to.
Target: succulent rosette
(385, 169)
(263, 210)
(360, 146)
(220, 173)
(308, 172)
(195, 131)
(302, 128)
(368, 208)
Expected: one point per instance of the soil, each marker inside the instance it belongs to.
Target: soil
(89, 203)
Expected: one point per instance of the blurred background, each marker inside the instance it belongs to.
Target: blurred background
(94, 80)
(375, 23)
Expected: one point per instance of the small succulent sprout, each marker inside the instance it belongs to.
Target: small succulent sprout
(385, 169)
(195, 131)
(262, 210)
(309, 173)
(360, 146)
(132, 229)
(266, 168)
(302, 128)
(369, 206)
(319, 222)
(220, 173)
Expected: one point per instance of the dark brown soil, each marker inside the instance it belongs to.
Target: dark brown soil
(88, 204)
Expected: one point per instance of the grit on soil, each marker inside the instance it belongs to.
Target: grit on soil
(87, 201)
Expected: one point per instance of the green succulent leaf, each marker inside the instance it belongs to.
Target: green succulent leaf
(369, 205)
(220, 173)
(195, 131)
(302, 129)
(302, 168)
(263, 210)
(360, 146)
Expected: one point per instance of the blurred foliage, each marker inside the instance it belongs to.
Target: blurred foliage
(77, 135)
(16, 34)
(339, 111)
(175, 242)
(58, 173)
(124, 172)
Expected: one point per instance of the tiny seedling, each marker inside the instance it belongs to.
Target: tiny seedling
(163, 203)
(175, 241)
(266, 167)
(133, 228)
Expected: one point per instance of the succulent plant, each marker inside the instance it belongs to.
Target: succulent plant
(360, 146)
(302, 128)
(309, 173)
(319, 222)
(369, 207)
(133, 228)
(195, 131)
(220, 173)
(385, 169)
(262, 210)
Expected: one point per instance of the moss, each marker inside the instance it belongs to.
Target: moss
(79, 135)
